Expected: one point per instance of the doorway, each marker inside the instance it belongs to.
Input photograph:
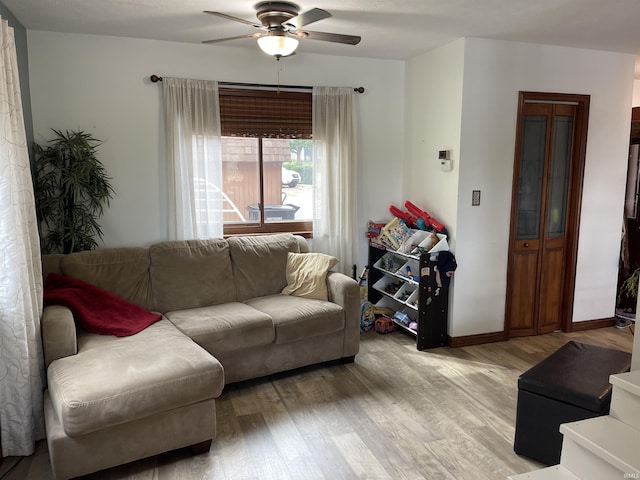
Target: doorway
(545, 212)
(630, 255)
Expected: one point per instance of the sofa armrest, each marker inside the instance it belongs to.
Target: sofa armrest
(344, 291)
(58, 333)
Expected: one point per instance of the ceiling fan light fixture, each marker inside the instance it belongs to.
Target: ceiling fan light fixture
(277, 44)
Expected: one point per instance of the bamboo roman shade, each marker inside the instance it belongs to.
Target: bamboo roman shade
(265, 113)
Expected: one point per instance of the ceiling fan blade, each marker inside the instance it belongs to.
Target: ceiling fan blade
(328, 37)
(235, 19)
(313, 15)
(218, 40)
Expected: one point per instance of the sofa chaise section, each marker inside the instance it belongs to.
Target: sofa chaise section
(122, 399)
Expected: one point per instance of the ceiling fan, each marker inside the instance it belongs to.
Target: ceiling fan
(281, 27)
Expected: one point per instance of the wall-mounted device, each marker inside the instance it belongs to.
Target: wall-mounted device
(446, 163)
(475, 198)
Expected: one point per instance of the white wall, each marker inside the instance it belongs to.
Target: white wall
(461, 97)
(434, 107)
(464, 96)
(101, 85)
(636, 93)
(494, 72)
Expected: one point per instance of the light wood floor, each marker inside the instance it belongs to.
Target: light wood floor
(396, 413)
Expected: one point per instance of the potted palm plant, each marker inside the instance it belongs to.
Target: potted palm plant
(71, 189)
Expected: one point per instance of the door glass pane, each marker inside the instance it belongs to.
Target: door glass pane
(531, 175)
(560, 161)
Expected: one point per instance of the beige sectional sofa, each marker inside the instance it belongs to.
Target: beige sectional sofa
(112, 400)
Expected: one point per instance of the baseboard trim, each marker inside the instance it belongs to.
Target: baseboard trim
(593, 324)
(479, 339)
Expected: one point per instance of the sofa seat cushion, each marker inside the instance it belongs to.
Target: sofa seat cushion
(114, 380)
(296, 318)
(226, 327)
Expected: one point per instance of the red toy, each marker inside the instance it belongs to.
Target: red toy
(409, 219)
(428, 220)
(384, 325)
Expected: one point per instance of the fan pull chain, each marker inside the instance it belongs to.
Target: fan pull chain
(279, 70)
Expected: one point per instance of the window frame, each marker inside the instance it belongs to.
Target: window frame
(254, 128)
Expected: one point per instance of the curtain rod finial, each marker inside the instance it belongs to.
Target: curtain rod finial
(359, 89)
(155, 78)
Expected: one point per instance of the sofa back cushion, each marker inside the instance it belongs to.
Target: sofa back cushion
(121, 271)
(51, 263)
(260, 262)
(191, 274)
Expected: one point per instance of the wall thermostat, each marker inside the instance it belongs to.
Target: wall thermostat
(445, 160)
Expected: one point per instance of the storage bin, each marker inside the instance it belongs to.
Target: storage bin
(403, 294)
(569, 385)
(441, 246)
(413, 266)
(388, 285)
(389, 263)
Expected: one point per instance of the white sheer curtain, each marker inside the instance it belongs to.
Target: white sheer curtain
(334, 159)
(192, 125)
(21, 363)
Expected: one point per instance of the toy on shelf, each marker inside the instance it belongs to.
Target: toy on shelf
(390, 263)
(424, 221)
(374, 228)
(404, 296)
(392, 288)
(403, 318)
(409, 219)
(417, 218)
(410, 274)
(394, 233)
(378, 311)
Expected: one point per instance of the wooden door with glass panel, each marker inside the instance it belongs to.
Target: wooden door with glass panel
(543, 177)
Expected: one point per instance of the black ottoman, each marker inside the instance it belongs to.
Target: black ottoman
(570, 384)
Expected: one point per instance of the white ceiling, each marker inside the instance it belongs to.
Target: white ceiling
(389, 29)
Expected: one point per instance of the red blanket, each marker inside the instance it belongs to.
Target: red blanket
(95, 309)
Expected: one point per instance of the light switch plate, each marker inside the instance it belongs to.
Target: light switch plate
(475, 198)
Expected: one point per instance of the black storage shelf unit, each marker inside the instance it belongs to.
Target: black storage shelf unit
(427, 303)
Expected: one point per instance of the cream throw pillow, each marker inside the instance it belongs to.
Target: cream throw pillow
(307, 274)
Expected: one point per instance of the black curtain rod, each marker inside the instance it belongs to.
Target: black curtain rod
(155, 79)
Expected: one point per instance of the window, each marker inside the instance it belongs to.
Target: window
(267, 165)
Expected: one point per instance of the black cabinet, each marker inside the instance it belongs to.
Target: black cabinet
(409, 283)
